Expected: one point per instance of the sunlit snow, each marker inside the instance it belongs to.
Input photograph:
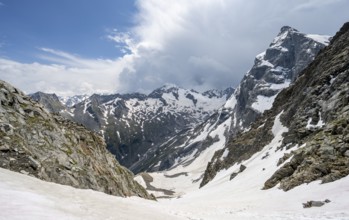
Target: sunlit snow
(263, 103)
(24, 197)
(323, 39)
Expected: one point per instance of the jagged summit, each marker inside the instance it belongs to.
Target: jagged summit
(169, 85)
(282, 40)
(288, 36)
(167, 88)
(287, 29)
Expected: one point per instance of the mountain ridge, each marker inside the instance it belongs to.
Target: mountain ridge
(133, 123)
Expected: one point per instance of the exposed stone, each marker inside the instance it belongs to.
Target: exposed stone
(233, 175)
(46, 146)
(24, 172)
(242, 168)
(346, 153)
(311, 204)
(284, 158)
(4, 147)
(34, 163)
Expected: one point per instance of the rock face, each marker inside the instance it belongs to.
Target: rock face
(46, 146)
(273, 70)
(315, 109)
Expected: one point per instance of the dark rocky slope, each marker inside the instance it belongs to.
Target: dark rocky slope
(34, 142)
(315, 109)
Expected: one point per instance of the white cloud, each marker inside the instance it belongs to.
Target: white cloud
(313, 4)
(68, 76)
(204, 43)
(197, 44)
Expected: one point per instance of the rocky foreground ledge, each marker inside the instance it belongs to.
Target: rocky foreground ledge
(37, 143)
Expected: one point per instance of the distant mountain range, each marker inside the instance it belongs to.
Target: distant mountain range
(134, 123)
(173, 125)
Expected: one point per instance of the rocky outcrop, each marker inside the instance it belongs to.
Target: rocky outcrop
(311, 204)
(315, 109)
(46, 146)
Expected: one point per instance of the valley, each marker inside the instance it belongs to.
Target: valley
(276, 146)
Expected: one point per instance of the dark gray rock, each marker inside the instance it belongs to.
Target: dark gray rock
(242, 168)
(311, 204)
(233, 175)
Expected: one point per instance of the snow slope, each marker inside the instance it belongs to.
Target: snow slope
(24, 197)
(186, 174)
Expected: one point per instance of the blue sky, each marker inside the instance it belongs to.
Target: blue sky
(72, 47)
(74, 26)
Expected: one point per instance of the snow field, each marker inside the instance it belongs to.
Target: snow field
(24, 197)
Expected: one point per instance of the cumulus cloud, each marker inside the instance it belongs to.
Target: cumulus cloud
(210, 44)
(199, 44)
(68, 75)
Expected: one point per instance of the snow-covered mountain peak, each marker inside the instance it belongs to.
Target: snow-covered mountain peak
(276, 67)
(287, 29)
(167, 88)
(70, 101)
(281, 39)
(287, 35)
